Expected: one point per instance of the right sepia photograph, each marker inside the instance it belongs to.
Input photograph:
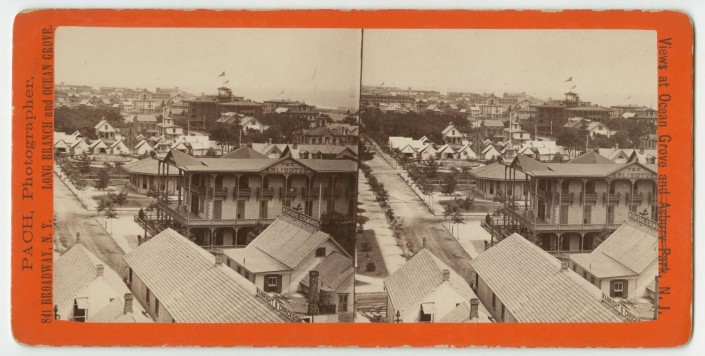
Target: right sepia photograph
(507, 176)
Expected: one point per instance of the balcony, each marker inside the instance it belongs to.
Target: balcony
(244, 192)
(265, 192)
(613, 198)
(567, 198)
(289, 193)
(590, 197)
(221, 192)
(198, 189)
(183, 216)
(539, 225)
(638, 198)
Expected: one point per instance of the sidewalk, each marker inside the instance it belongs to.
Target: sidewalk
(123, 230)
(391, 253)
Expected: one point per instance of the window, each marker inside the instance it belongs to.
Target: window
(321, 252)
(502, 314)
(564, 187)
(147, 297)
(272, 283)
(592, 279)
(564, 214)
(618, 288)
(239, 270)
(587, 214)
(156, 307)
(240, 209)
(426, 312)
(494, 301)
(342, 303)
(129, 275)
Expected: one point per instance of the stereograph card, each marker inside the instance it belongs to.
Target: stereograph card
(352, 178)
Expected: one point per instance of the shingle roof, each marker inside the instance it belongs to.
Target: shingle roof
(334, 270)
(420, 276)
(494, 171)
(590, 157)
(188, 284)
(530, 284)
(243, 152)
(628, 251)
(461, 314)
(75, 276)
(282, 246)
(147, 165)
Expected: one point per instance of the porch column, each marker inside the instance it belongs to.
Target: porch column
(525, 190)
(584, 204)
(607, 200)
(560, 198)
(582, 241)
(631, 194)
(181, 188)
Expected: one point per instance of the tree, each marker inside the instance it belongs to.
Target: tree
(254, 232)
(366, 154)
(226, 135)
(431, 167)
(84, 162)
(557, 157)
(450, 184)
(211, 152)
(453, 214)
(103, 180)
(341, 228)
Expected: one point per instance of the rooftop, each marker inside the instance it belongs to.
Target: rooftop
(532, 286)
(628, 251)
(334, 271)
(420, 276)
(191, 287)
(282, 246)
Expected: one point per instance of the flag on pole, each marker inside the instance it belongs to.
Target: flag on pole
(221, 74)
(382, 84)
(226, 82)
(570, 79)
(573, 87)
(281, 92)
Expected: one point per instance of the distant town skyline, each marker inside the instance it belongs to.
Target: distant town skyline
(318, 66)
(606, 67)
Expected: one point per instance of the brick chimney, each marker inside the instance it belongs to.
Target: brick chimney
(446, 274)
(564, 262)
(474, 309)
(99, 270)
(312, 292)
(218, 257)
(128, 303)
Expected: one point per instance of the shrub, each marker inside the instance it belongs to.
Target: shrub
(370, 267)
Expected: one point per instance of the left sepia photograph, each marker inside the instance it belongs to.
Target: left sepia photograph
(205, 175)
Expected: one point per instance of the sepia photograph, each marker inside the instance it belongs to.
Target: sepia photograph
(509, 176)
(205, 175)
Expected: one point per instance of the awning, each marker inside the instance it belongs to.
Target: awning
(428, 308)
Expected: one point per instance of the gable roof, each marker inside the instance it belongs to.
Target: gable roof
(494, 171)
(334, 270)
(75, 276)
(590, 157)
(189, 285)
(461, 314)
(148, 166)
(419, 277)
(243, 152)
(628, 251)
(282, 246)
(530, 284)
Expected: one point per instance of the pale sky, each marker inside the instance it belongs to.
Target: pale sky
(606, 66)
(319, 66)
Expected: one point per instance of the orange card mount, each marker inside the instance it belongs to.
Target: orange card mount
(41, 314)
